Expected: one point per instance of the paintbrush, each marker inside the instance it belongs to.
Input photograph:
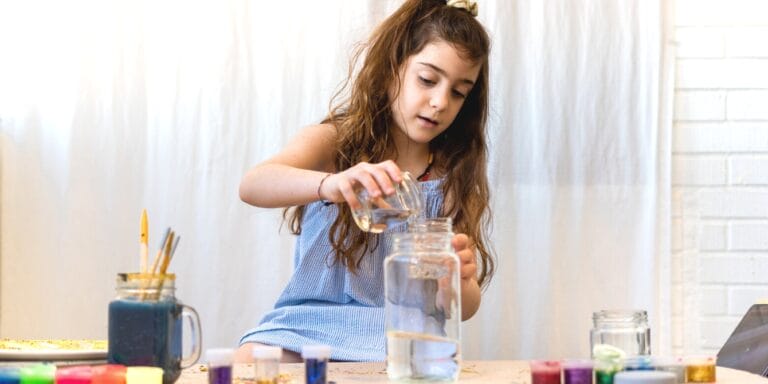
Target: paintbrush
(143, 242)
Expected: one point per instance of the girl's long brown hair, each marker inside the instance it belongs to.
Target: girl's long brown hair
(363, 120)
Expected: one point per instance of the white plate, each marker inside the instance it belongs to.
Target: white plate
(36, 350)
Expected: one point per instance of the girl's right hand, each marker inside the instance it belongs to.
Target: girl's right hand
(378, 179)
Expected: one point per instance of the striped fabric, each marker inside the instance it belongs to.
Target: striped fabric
(326, 304)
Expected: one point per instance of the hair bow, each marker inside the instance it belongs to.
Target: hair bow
(468, 5)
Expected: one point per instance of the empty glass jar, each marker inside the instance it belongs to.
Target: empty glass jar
(619, 334)
(423, 308)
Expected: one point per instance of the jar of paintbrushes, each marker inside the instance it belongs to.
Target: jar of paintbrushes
(146, 318)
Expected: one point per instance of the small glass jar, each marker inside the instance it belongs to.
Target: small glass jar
(377, 214)
(674, 365)
(220, 365)
(545, 372)
(578, 371)
(623, 332)
(701, 369)
(316, 363)
(266, 363)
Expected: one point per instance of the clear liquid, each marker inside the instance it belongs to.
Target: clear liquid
(377, 220)
(632, 341)
(419, 356)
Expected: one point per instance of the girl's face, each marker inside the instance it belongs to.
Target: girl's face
(434, 84)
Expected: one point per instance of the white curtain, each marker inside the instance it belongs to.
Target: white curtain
(110, 107)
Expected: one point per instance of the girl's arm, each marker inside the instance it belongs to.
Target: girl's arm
(292, 176)
(470, 289)
(303, 172)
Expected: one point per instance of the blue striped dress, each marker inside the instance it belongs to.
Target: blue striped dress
(326, 304)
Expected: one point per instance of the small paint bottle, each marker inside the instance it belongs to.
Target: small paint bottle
(144, 375)
(671, 364)
(577, 371)
(220, 365)
(545, 372)
(38, 374)
(74, 375)
(644, 377)
(700, 369)
(9, 375)
(267, 363)
(638, 363)
(316, 363)
(108, 374)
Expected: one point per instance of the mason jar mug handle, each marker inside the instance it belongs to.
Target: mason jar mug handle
(196, 335)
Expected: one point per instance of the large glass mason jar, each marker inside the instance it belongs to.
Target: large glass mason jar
(145, 325)
(423, 308)
(620, 333)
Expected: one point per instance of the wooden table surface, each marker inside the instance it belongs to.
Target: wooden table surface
(489, 372)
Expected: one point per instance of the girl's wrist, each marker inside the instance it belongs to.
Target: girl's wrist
(320, 185)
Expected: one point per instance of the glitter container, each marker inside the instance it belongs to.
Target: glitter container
(316, 363)
(267, 363)
(700, 369)
(545, 372)
(220, 365)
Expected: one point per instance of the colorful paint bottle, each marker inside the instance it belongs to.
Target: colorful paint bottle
(38, 374)
(545, 372)
(638, 363)
(9, 375)
(143, 375)
(108, 374)
(267, 364)
(608, 361)
(220, 365)
(577, 371)
(74, 375)
(671, 364)
(644, 377)
(700, 369)
(316, 363)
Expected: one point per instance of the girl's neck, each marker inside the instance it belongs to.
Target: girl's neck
(409, 155)
(413, 161)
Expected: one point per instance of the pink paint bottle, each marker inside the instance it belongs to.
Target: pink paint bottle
(109, 374)
(545, 372)
(74, 375)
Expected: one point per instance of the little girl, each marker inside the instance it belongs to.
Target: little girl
(418, 104)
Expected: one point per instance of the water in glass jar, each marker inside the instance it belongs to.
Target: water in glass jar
(420, 356)
(377, 220)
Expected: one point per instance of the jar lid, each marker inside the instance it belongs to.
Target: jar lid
(316, 351)
(219, 356)
(144, 375)
(645, 377)
(267, 352)
(577, 364)
(620, 314)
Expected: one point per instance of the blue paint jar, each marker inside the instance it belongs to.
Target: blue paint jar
(9, 375)
(316, 363)
(145, 325)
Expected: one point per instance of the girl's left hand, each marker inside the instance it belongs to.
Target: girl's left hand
(466, 252)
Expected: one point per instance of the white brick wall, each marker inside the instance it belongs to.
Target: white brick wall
(720, 169)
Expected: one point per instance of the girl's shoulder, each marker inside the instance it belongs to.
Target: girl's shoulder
(322, 131)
